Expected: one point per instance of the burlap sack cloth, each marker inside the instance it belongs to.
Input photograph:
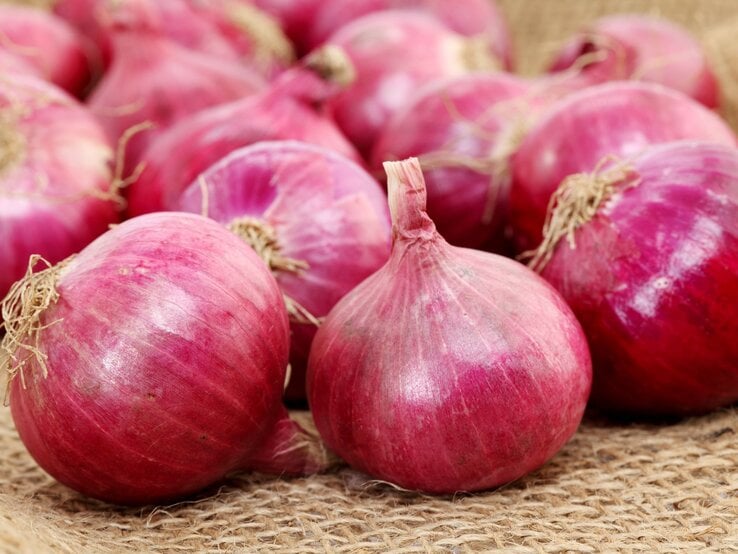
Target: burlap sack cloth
(614, 487)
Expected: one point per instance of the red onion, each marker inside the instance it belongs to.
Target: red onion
(12, 64)
(283, 111)
(55, 176)
(319, 221)
(46, 43)
(394, 53)
(152, 364)
(153, 80)
(449, 369)
(615, 119)
(463, 130)
(650, 268)
(631, 46)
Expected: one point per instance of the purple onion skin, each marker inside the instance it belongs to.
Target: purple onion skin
(654, 281)
(469, 116)
(615, 119)
(166, 365)
(633, 46)
(326, 211)
(50, 200)
(449, 369)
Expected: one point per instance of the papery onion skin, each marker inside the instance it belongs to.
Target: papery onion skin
(282, 111)
(634, 46)
(46, 43)
(477, 18)
(166, 360)
(615, 119)
(154, 80)
(653, 279)
(463, 130)
(395, 53)
(55, 174)
(449, 369)
(326, 211)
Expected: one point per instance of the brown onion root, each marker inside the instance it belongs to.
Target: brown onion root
(12, 143)
(574, 204)
(332, 64)
(477, 55)
(270, 43)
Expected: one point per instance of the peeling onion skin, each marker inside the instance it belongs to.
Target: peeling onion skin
(472, 117)
(654, 281)
(166, 366)
(46, 43)
(449, 369)
(646, 49)
(614, 119)
(326, 211)
(50, 192)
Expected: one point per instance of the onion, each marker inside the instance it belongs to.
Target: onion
(319, 221)
(463, 130)
(12, 64)
(151, 364)
(394, 53)
(55, 176)
(650, 268)
(46, 43)
(155, 82)
(282, 111)
(630, 46)
(477, 18)
(615, 119)
(449, 369)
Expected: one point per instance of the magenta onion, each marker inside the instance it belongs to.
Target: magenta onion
(318, 220)
(394, 53)
(463, 130)
(55, 176)
(449, 369)
(152, 364)
(650, 268)
(614, 119)
(631, 46)
(46, 43)
(282, 111)
(155, 81)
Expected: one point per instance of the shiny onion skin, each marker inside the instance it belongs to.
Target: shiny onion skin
(155, 81)
(477, 18)
(632, 46)
(285, 110)
(463, 130)
(395, 53)
(326, 214)
(449, 369)
(48, 44)
(653, 279)
(164, 357)
(55, 176)
(614, 119)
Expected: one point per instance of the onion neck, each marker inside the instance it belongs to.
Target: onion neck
(12, 143)
(407, 202)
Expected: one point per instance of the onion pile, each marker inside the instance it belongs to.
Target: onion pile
(151, 365)
(646, 253)
(449, 369)
(611, 120)
(55, 176)
(318, 220)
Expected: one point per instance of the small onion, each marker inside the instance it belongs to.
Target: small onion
(631, 46)
(463, 130)
(650, 268)
(152, 364)
(394, 53)
(55, 176)
(615, 119)
(46, 43)
(449, 369)
(285, 110)
(319, 221)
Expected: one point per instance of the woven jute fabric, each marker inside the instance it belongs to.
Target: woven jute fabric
(615, 487)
